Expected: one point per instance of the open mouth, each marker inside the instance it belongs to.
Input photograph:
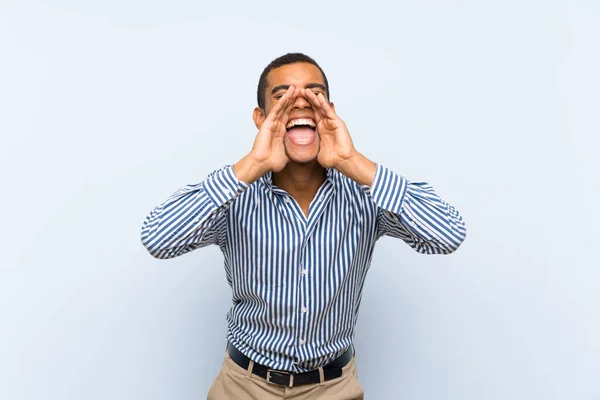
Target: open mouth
(301, 131)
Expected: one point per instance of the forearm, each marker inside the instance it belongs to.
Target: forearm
(248, 170)
(358, 168)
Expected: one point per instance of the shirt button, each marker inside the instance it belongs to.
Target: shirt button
(304, 271)
(304, 309)
(412, 223)
(287, 199)
(302, 342)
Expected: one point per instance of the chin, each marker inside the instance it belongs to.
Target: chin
(303, 157)
(303, 161)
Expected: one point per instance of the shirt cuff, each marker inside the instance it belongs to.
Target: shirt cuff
(222, 186)
(388, 189)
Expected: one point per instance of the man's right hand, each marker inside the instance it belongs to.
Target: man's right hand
(268, 151)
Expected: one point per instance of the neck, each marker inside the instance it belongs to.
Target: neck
(301, 181)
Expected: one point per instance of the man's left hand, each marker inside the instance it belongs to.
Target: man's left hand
(336, 146)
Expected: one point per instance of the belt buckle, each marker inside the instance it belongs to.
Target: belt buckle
(271, 372)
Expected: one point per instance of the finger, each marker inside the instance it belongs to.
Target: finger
(318, 115)
(312, 98)
(290, 98)
(314, 101)
(290, 105)
(327, 110)
(286, 108)
(280, 106)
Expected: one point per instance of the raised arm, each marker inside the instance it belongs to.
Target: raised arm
(410, 211)
(413, 212)
(192, 217)
(195, 215)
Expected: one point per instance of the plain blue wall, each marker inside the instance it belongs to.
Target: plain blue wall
(108, 107)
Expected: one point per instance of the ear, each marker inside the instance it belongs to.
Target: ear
(258, 116)
(332, 107)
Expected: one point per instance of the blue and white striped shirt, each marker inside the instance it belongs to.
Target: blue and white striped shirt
(297, 281)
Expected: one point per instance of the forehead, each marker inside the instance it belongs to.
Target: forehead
(297, 74)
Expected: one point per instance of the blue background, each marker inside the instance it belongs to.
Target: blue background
(106, 108)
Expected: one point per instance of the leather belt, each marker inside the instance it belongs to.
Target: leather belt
(330, 371)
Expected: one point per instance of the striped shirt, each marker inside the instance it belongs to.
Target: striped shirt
(297, 281)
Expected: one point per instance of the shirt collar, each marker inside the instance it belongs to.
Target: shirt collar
(267, 180)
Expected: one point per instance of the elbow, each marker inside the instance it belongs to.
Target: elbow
(444, 245)
(162, 250)
(160, 253)
(154, 247)
(458, 238)
(454, 246)
(153, 251)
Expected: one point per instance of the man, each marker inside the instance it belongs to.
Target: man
(297, 220)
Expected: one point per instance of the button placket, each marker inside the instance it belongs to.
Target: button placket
(303, 295)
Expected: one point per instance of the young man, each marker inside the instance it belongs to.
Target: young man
(297, 220)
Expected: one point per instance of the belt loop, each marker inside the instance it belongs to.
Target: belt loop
(321, 376)
(250, 368)
(291, 380)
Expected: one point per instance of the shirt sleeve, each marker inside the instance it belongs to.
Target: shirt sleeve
(413, 212)
(192, 217)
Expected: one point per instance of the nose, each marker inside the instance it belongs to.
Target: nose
(301, 102)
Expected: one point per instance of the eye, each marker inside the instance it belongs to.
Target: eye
(278, 96)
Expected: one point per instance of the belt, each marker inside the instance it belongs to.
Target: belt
(330, 371)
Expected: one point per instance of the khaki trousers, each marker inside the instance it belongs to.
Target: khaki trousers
(236, 383)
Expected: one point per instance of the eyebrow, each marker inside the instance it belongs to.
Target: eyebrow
(308, 86)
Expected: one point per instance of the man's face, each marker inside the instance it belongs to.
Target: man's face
(301, 140)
